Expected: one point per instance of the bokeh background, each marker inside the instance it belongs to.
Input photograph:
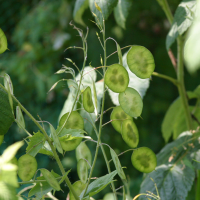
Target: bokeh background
(38, 32)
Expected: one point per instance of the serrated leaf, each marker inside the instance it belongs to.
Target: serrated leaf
(117, 163)
(72, 133)
(79, 8)
(56, 139)
(172, 181)
(192, 45)
(50, 179)
(19, 117)
(106, 6)
(3, 42)
(121, 12)
(181, 21)
(98, 185)
(36, 143)
(10, 152)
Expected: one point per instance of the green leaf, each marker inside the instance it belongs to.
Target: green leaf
(72, 133)
(7, 192)
(1, 139)
(169, 119)
(36, 143)
(79, 8)
(6, 117)
(9, 177)
(117, 163)
(192, 45)
(3, 42)
(9, 87)
(119, 54)
(106, 6)
(94, 97)
(46, 149)
(10, 152)
(56, 139)
(19, 117)
(173, 181)
(181, 21)
(50, 179)
(121, 12)
(98, 185)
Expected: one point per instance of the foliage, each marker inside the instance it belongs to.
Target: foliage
(175, 169)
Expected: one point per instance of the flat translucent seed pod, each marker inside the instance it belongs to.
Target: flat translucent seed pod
(75, 121)
(131, 102)
(116, 78)
(69, 145)
(118, 116)
(83, 152)
(87, 100)
(78, 187)
(82, 170)
(144, 159)
(130, 133)
(27, 166)
(140, 61)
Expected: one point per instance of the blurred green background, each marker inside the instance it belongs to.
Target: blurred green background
(38, 32)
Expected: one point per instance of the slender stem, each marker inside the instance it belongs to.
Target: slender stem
(174, 81)
(165, 6)
(181, 86)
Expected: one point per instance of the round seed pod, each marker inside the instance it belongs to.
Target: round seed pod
(118, 116)
(75, 121)
(82, 170)
(116, 78)
(130, 133)
(140, 61)
(27, 166)
(131, 102)
(83, 152)
(144, 159)
(87, 100)
(78, 187)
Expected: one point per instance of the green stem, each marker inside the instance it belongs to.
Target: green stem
(104, 155)
(198, 186)
(181, 86)
(174, 81)
(101, 118)
(165, 6)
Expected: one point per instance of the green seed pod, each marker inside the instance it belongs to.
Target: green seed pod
(75, 121)
(82, 170)
(118, 116)
(140, 61)
(87, 100)
(131, 102)
(69, 145)
(27, 166)
(116, 78)
(83, 152)
(3, 41)
(78, 187)
(144, 159)
(130, 133)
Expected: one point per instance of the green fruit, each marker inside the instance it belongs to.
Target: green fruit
(82, 170)
(131, 102)
(27, 166)
(140, 61)
(78, 187)
(118, 116)
(3, 42)
(87, 100)
(116, 78)
(130, 133)
(144, 159)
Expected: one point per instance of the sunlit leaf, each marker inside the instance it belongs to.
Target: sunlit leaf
(3, 42)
